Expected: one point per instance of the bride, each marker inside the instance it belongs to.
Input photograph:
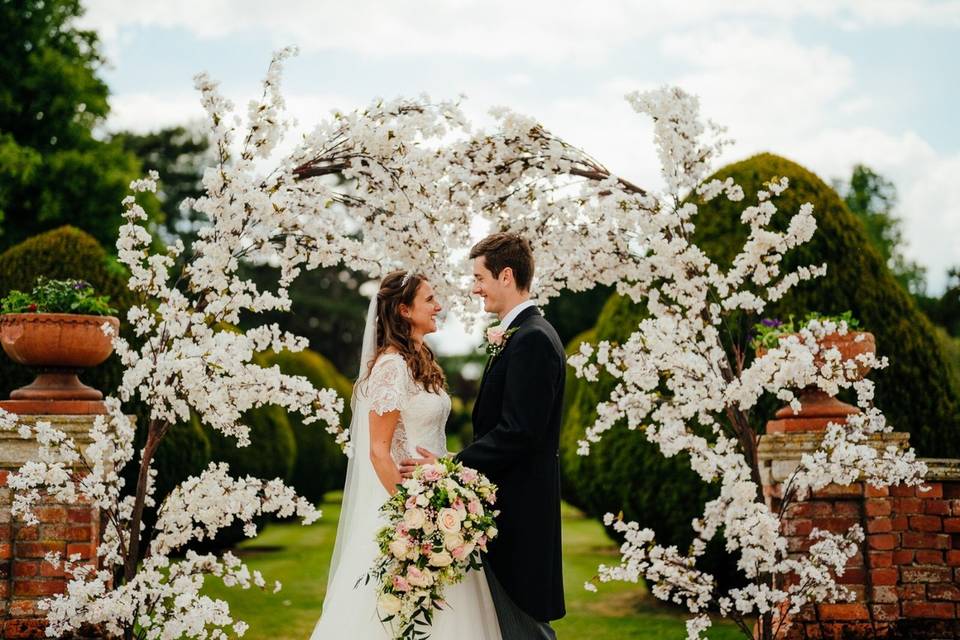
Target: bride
(399, 403)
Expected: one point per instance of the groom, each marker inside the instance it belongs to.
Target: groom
(516, 424)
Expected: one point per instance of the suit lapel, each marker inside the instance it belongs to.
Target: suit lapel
(529, 312)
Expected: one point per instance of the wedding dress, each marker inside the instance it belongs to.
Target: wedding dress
(349, 608)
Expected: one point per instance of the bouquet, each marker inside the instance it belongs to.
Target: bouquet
(441, 520)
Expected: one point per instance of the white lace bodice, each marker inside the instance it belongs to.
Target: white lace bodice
(423, 415)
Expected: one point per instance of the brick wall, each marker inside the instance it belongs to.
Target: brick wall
(25, 577)
(907, 574)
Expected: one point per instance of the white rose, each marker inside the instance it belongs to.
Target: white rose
(492, 532)
(441, 559)
(448, 520)
(452, 540)
(399, 547)
(422, 500)
(389, 604)
(414, 518)
(429, 527)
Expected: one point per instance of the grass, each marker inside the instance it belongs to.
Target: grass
(298, 556)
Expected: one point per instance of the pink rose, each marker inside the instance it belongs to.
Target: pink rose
(419, 578)
(431, 474)
(400, 584)
(463, 552)
(468, 475)
(411, 502)
(475, 507)
(495, 335)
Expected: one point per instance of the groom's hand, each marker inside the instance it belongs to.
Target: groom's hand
(409, 465)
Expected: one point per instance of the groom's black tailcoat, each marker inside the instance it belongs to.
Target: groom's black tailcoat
(516, 423)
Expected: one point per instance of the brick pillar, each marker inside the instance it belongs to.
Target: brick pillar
(907, 574)
(25, 578)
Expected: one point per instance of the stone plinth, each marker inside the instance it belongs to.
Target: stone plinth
(25, 578)
(907, 574)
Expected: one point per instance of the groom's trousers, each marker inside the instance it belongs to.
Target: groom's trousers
(515, 623)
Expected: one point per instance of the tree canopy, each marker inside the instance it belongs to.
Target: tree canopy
(54, 170)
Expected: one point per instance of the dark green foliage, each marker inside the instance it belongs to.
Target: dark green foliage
(572, 313)
(570, 465)
(915, 392)
(53, 170)
(320, 465)
(945, 310)
(64, 253)
(272, 453)
(184, 451)
(179, 155)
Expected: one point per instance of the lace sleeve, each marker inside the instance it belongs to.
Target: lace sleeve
(388, 387)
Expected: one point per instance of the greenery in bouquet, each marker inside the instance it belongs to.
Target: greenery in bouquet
(767, 333)
(58, 296)
(441, 520)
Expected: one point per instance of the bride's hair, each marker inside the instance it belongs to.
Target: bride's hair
(393, 330)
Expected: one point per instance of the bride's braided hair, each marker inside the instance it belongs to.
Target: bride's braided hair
(393, 330)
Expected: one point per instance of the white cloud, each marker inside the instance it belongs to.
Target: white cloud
(142, 112)
(778, 95)
(539, 30)
(929, 194)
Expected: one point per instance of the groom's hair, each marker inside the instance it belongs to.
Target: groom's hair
(502, 250)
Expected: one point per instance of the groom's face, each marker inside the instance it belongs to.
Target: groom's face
(492, 290)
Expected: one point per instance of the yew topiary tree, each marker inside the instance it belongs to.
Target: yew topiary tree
(914, 392)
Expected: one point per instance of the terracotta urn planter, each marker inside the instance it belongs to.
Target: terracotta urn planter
(57, 346)
(817, 407)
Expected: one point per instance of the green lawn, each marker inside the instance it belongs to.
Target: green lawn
(298, 556)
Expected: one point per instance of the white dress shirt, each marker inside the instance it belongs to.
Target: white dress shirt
(512, 315)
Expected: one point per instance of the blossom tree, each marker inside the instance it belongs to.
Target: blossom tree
(193, 360)
(676, 381)
(416, 180)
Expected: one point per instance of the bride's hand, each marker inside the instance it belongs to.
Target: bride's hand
(409, 465)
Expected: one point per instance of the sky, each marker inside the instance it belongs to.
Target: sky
(828, 84)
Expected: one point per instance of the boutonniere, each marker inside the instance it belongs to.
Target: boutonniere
(497, 339)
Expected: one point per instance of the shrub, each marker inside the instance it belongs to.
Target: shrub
(320, 465)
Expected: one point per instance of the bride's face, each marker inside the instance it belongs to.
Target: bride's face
(422, 313)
